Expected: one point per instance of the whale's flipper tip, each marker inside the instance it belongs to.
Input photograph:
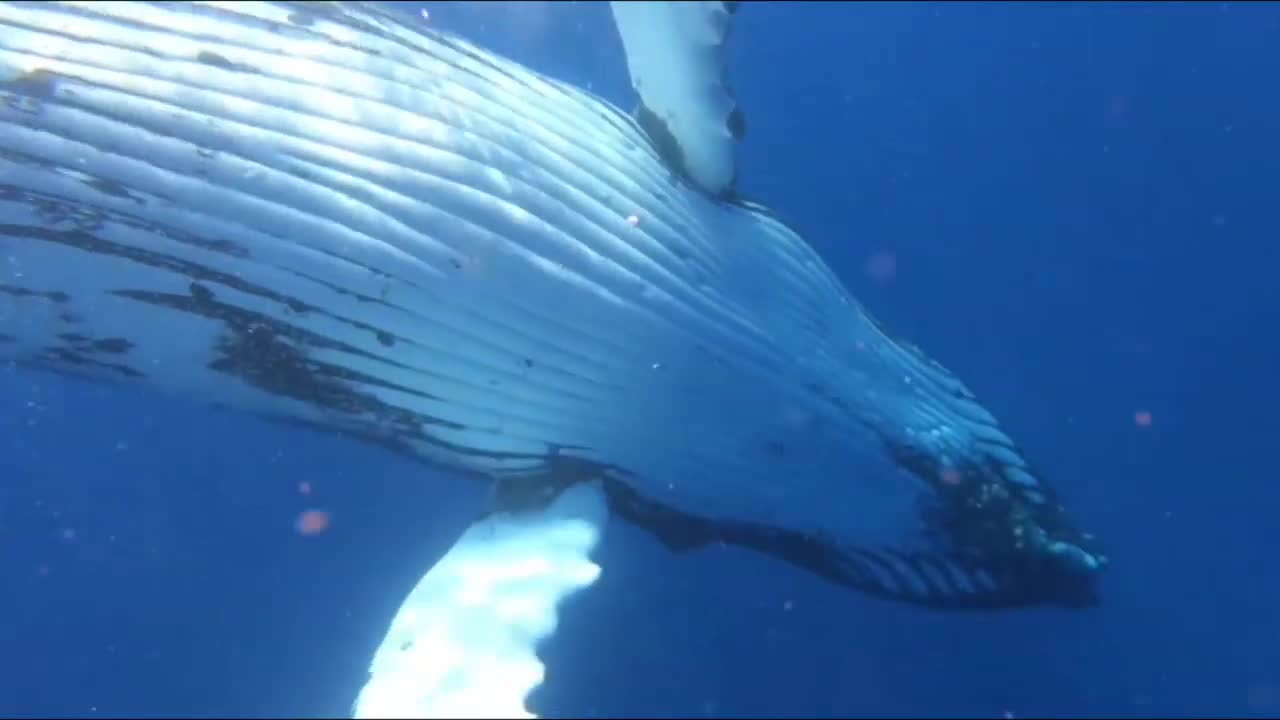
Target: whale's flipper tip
(676, 55)
(463, 644)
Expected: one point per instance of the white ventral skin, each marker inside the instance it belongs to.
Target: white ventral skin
(676, 58)
(463, 644)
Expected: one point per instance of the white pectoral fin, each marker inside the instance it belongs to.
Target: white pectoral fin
(463, 644)
(676, 57)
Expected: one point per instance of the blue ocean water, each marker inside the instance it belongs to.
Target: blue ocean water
(1071, 205)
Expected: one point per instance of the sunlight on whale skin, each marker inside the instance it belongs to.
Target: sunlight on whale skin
(332, 216)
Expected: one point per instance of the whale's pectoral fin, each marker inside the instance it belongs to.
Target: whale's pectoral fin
(463, 644)
(676, 55)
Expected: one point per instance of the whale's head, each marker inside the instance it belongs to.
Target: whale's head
(993, 516)
(987, 534)
(897, 482)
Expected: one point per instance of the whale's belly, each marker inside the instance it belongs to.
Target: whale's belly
(334, 220)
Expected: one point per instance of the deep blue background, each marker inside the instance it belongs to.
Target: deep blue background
(1079, 203)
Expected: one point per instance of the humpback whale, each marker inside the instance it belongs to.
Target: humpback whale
(329, 215)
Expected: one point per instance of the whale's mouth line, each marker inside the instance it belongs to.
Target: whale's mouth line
(973, 579)
(945, 581)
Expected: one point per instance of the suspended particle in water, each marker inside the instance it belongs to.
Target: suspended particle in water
(304, 488)
(633, 220)
(882, 266)
(1118, 108)
(312, 522)
(795, 418)
(1142, 418)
